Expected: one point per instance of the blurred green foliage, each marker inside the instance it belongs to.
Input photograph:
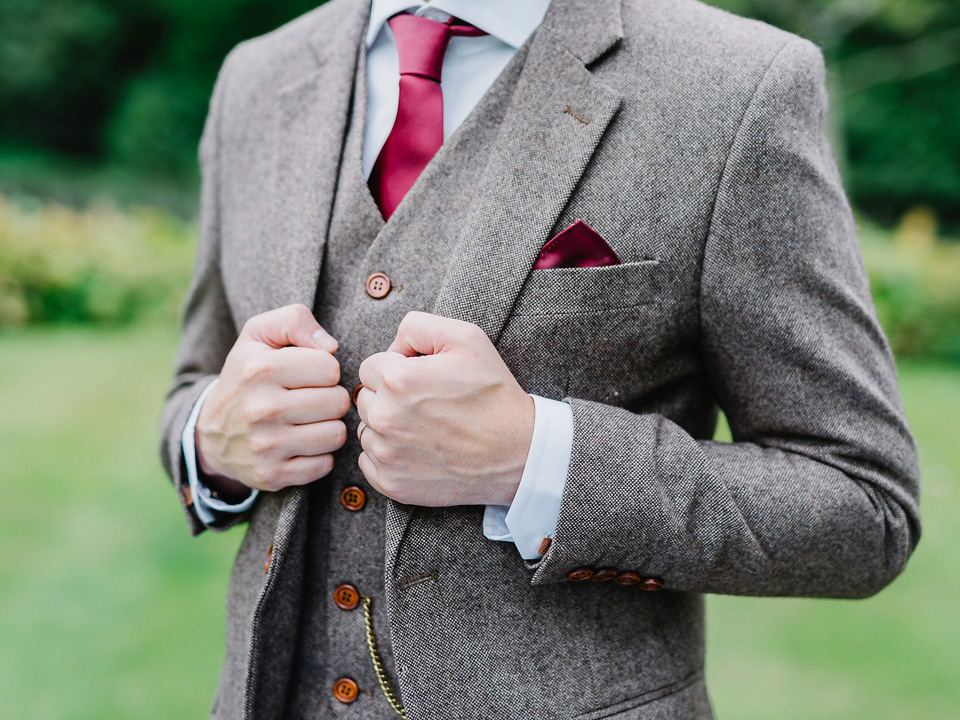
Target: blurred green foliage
(894, 82)
(120, 80)
(97, 265)
(128, 82)
(105, 265)
(915, 282)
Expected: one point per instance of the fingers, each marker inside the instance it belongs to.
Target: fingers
(289, 325)
(312, 405)
(373, 445)
(366, 436)
(369, 468)
(421, 333)
(364, 398)
(373, 368)
(295, 367)
(304, 469)
(315, 438)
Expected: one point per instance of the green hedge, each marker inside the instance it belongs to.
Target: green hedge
(915, 281)
(97, 265)
(105, 265)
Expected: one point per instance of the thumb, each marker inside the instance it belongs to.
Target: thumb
(421, 333)
(289, 325)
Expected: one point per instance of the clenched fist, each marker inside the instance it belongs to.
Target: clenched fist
(446, 421)
(273, 419)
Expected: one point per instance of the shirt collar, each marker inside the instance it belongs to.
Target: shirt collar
(511, 21)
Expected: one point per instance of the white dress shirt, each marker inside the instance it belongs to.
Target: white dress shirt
(470, 65)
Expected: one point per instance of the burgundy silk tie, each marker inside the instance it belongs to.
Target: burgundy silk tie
(417, 132)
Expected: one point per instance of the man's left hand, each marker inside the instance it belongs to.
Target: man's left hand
(447, 423)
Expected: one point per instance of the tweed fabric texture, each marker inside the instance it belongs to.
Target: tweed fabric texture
(693, 142)
(344, 546)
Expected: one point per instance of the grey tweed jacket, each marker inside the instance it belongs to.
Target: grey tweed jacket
(693, 142)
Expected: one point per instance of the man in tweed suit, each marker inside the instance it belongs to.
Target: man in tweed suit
(519, 515)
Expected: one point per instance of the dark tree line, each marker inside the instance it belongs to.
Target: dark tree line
(128, 81)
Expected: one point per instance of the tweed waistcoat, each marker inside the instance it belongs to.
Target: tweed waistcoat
(345, 546)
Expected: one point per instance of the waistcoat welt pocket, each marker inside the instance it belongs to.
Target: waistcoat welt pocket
(561, 291)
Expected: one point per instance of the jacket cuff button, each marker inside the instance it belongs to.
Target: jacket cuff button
(604, 574)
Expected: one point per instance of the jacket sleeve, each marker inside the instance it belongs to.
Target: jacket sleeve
(818, 493)
(208, 329)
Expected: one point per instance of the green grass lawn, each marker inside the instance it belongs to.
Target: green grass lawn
(109, 609)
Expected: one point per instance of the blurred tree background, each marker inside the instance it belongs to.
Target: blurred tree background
(108, 609)
(125, 82)
(104, 100)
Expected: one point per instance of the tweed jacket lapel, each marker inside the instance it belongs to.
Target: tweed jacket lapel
(558, 117)
(313, 113)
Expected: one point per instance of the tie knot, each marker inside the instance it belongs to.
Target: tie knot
(421, 43)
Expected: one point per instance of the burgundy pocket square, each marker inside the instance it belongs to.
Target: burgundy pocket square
(578, 245)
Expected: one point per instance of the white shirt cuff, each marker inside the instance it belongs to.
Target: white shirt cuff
(203, 501)
(532, 516)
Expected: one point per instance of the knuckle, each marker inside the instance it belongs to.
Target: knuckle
(258, 412)
(255, 370)
(263, 477)
(262, 446)
(380, 418)
(280, 477)
(386, 483)
(397, 379)
(364, 364)
(474, 333)
(387, 454)
(339, 434)
(300, 311)
(393, 486)
(343, 401)
(324, 465)
(249, 324)
(332, 367)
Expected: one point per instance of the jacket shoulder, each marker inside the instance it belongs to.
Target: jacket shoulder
(705, 40)
(285, 54)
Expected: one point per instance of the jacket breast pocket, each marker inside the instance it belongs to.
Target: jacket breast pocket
(564, 291)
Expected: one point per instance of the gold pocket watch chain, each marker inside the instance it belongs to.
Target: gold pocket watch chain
(378, 661)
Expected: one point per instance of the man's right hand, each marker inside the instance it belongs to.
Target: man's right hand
(273, 419)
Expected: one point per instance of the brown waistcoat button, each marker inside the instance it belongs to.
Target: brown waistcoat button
(353, 498)
(266, 564)
(544, 546)
(604, 574)
(346, 596)
(378, 285)
(356, 391)
(579, 574)
(627, 578)
(186, 495)
(651, 584)
(345, 690)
